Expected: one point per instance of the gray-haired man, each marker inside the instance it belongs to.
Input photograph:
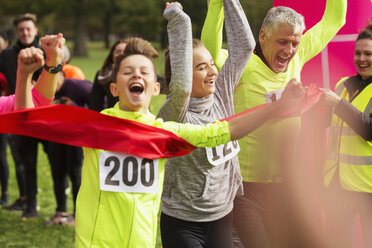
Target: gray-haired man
(266, 153)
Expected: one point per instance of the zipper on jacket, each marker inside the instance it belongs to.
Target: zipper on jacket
(132, 220)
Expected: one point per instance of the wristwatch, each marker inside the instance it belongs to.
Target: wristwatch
(54, 69)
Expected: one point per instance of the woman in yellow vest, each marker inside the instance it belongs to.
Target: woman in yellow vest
(348, 169)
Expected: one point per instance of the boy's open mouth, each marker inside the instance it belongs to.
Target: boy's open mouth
(136, 88)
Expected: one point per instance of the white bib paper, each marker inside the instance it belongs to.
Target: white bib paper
(120, 172)
(273, 96)
(222, 153)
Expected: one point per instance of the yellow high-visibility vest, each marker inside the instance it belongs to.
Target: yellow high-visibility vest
(347, 150)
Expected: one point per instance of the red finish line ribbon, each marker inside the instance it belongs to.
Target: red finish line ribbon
(312, 96)
(81, 127)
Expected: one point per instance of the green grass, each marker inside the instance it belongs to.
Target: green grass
(17, 233)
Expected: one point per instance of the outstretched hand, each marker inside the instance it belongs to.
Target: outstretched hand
(53, 47)
(29, 60)
(293, 93)
(329, 98)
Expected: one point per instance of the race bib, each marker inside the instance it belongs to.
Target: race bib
(273, 96)
(120, 172)
(222, 153)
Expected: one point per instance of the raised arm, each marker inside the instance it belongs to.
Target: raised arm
(47, 82)
(212, 32)
(180, 54)
(29, 60)
(240, 46)
(315, 39)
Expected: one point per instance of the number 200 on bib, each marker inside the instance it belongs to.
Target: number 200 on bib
(120, 172)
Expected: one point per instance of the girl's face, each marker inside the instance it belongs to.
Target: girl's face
(363, 57)
(204, 73)
(118, 50)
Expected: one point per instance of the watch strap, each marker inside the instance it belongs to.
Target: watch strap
(53, 69)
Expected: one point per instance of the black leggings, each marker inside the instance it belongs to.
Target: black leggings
(13, 141)
(66, 161)
(28, 147)
(187, 234)
(4, 167)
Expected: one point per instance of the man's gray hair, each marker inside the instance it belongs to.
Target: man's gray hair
(283, 15)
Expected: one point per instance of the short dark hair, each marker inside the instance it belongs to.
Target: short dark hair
(366, 33)
(135, 46)
(24, 17)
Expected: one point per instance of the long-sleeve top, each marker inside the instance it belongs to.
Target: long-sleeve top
(195, 188)
(360, 122)
(100, 96)
(7, 102)
(262, 151)
(77, 90)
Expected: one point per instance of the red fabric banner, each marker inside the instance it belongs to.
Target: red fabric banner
(311, 97)
(81, 127)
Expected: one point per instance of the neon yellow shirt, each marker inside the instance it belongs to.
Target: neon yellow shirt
(129, 219)
(263, 150)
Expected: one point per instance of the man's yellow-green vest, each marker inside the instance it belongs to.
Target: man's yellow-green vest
(347, 150)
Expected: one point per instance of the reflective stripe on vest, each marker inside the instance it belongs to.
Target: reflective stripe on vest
(340, 88)
(368, 108)
(346, 131)
(355, 160)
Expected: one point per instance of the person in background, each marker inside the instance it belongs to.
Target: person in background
(261, 215)
(70, 71)
(4, 40)
(101, 96)
(26, 32)
(66, 160)
(347, 171)
(27, 95)
(4, 167)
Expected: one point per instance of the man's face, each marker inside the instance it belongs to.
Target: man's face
(26, 32)
(279, 46)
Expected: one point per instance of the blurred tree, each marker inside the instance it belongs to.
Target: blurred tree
(110, 19)
(256, 12)
(81, 29)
